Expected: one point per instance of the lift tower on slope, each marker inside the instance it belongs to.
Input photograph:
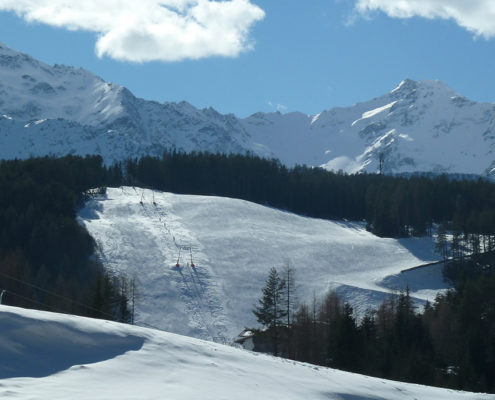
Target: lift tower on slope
(190, 252)
(177, 264)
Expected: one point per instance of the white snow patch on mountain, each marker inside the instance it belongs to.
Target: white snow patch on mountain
(404, 82)
(372, 113)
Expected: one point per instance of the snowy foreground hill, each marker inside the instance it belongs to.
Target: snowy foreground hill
(60, 357)
(418, 126)
(233, 244)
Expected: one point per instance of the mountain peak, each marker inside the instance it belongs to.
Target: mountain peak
(406, 85)
(85, 115)
(428, 85)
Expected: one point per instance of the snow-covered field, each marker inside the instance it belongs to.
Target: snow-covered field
(233, 244)
(55, 356)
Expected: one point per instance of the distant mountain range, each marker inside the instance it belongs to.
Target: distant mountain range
(420, 126)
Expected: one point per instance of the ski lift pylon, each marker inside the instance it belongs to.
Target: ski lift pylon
(192, 263)
(177, 264)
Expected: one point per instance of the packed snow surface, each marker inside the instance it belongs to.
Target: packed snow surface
(233, 244)
(148, 364)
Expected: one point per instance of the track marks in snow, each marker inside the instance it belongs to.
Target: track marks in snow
(234, 244)
(196, 285)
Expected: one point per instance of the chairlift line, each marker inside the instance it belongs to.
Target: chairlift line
(191, 280)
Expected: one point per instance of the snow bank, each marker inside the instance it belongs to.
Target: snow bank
(173, 367)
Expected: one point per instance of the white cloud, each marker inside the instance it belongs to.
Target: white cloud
(147, 30)
(278, 107)
(477, 16)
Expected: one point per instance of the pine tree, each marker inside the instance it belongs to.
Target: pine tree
(271, 311)
(344, 344)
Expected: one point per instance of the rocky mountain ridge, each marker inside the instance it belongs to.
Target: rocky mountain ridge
(420, 126)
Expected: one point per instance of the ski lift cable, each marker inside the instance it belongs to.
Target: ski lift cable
(198, 308)
(179, 246)
(201, 305)
(60, 311)
(192, 286)
(56, 309)
(197, 298)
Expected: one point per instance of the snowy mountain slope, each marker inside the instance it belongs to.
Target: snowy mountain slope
(150, 364)
(419, 126)
(58, 110)
(234, 244)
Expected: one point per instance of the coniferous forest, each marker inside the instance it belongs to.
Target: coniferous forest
(46, 258)
(450, 343)
(48, 261)
(392, 206)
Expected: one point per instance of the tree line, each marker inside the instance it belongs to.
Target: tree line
(449, 343)
(47, 259)
(391, 206)
(42, 243)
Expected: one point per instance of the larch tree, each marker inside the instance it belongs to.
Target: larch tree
(290, 301)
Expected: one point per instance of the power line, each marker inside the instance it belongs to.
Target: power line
(55, 294)
(32, 301)
(144, 324)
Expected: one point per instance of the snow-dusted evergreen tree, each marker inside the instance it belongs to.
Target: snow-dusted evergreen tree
(271, 309)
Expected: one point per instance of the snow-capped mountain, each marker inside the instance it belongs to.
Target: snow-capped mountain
(418, 126)
(59, 110)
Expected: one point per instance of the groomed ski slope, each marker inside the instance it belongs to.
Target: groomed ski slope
(234, 243)
(60, 357)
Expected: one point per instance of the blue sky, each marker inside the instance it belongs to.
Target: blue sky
(287, 55)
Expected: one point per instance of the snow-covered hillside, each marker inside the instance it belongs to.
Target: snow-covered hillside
(55, 356)
(233, 244)
(418, 126)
